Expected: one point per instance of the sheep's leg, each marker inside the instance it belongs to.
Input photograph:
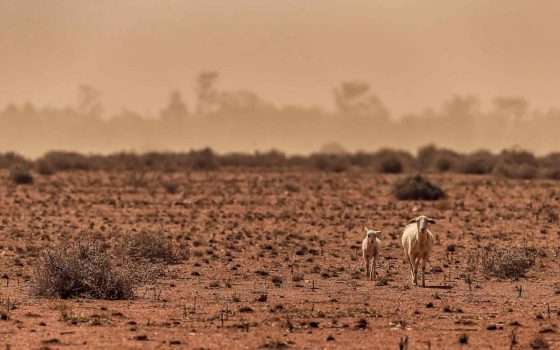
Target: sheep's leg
(416, 263)
(410, 264)
(366, 262)
(424, 273)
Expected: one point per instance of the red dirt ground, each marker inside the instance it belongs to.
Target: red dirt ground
(245, 229)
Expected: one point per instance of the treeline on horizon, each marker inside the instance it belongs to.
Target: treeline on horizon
(513, 163)
(242, 121)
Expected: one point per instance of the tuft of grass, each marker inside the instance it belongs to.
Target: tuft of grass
(417, 188)
(83, 269)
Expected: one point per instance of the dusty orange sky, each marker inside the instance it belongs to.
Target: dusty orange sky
(414, 53)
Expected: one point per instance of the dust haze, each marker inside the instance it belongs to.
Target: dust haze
(249, 75)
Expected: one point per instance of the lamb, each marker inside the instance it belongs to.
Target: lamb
(417, 242)
(370, 251)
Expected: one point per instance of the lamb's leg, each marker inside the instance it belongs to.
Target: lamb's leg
(374, 267)
(366, 262)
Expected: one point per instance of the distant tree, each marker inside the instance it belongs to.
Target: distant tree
(89, 101)
(514, 107)
(355, 98)
(176, 110)
(241, 101)
(333, 148)
(206, 92)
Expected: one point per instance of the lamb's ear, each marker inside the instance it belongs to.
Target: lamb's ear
(366, 229)
(413, 220)
(431, 221)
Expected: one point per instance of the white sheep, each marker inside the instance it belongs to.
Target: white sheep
(370, 251)
(417, 242)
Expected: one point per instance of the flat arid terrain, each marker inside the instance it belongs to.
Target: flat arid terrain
(272, 260)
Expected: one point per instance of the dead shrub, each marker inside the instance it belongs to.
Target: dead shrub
(417, 188)
(510, 263)
(82, 269)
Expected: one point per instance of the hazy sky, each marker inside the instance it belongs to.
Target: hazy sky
(414, 53)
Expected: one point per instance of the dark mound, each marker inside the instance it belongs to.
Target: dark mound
(417, 188)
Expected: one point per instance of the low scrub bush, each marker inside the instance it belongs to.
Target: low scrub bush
(516, 164)
(391, 165)
(65, 161)
(478, 163)
(331, 162)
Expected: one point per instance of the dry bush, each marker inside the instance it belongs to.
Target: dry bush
(549, 166)
(516, 164)
(204, 159)
(270, 159)
(83, 269)
(478, 163)
(417, 188)
(65, 161)
(44, 167)
(21, 175)
(330, 162)
(510, 263)
(391, 165)
(439, 159)
(150, 246)
(393, 162)
(10, 159)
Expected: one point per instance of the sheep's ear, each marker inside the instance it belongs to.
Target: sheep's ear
(366, 229)
(431, 221)
(413, 220)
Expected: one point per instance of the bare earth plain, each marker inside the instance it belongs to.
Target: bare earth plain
(274, 262)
